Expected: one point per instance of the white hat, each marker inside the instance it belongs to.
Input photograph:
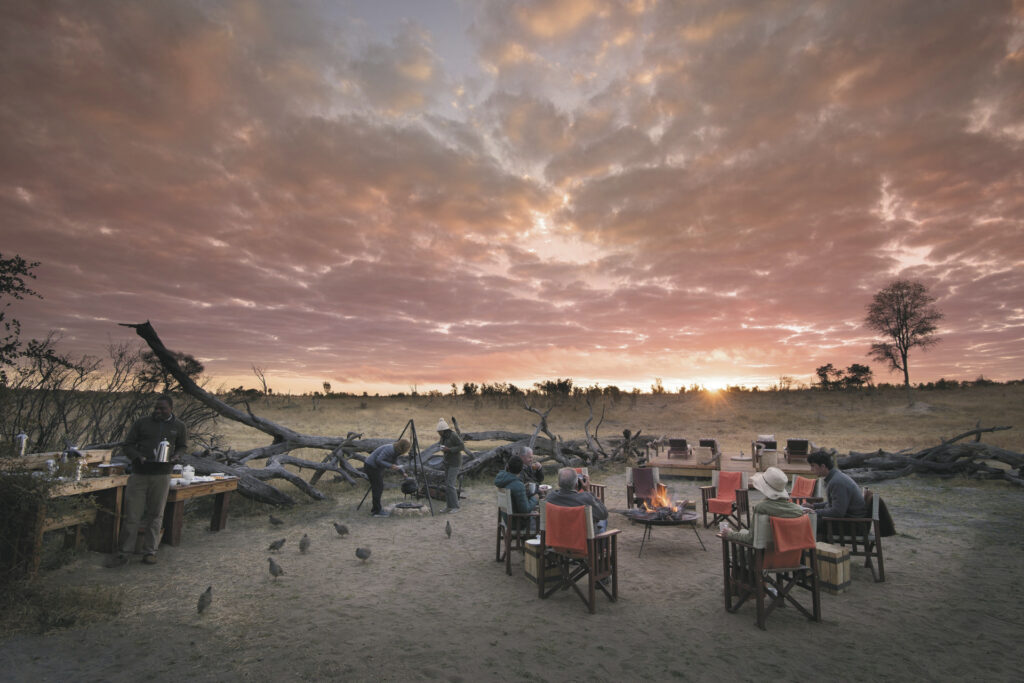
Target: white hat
(442, 425)
(772, 483)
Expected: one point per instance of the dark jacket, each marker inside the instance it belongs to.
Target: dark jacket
(451, 447)
(145, 436)
(520, 501)
(571, 499)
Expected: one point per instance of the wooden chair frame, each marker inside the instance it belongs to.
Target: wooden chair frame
(598, 566)
(513, 529)
(798, 449)
(861, 534)
(679, 448)
(631, 497)
(745, 575)
(763, 442)
(709, 448)
(740, 515)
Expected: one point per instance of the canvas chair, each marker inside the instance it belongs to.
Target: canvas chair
(679, 448)
(798, 449)
(763, 442)
(862, 534)
(514, 528)
(567, 534)
(708, 453)
(726, 499)
(643, 485)
(806, 489)
(596, 490)
(780, 557)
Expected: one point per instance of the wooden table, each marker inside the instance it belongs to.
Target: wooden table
(103, 519)
(174, 512)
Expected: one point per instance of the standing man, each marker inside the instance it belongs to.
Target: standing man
(383, 458)
(146, 492)
(451, 448)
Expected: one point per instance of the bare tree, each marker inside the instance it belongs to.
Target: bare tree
(261, 377)
(902, 313)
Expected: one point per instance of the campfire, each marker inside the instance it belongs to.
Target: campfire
(660, 508)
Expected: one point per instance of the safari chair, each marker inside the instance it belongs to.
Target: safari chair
(514, 528)
(679, 448)
(806, 489)
(708, 453)
(567, 536)
(763, 442)
(596, 490)
(862, 534)
(726, 499)
(780, 557)
(797, 449)
(643, 485)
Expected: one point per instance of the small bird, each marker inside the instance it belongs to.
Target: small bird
(448, 529)
(205, 599)
(275, 521)
(341, 529)
(304, 543)
(275, 568)
(363, 553)
(277, 545)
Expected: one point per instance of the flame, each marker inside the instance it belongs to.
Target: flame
(660, 500)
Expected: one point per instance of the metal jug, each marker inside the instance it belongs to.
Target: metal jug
(162, 451)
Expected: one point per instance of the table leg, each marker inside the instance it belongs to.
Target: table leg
(220, 511)
(107, 528)
(174, 515)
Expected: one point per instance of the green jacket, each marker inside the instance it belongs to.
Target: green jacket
(451, 446)
(770, 507)
(144, 437)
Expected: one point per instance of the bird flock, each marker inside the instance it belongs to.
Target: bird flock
(305, 543)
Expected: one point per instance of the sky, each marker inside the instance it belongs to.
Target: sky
(397, 195)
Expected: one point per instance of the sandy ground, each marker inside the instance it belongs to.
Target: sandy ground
(426, 607)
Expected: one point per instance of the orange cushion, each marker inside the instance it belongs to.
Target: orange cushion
(793, 533)
(566, 527)
(721, 506)
(803, 487)
(728, 482)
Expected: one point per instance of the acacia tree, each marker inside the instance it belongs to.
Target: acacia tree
(902, 313)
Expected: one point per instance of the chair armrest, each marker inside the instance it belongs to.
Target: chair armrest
(608, 533)
(708, 492)
(597, 490)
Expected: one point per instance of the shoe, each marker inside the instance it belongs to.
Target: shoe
(452, 511)
(149, 559)
(380, 514)
(118, 560)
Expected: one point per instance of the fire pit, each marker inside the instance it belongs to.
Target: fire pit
(662, 515)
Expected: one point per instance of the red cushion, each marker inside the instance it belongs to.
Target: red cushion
(803, 487)
(566, 527)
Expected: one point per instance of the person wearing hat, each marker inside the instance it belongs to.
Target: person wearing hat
(451, 448)
(383, 457)
(772, 484)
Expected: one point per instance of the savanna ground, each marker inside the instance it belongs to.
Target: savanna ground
(426, 607)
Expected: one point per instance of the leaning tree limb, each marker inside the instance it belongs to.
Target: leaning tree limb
(344, 450)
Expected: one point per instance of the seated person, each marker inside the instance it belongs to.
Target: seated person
(772, 483)
(844, 496)
(570, 494)
(509, 479)
(532, 472)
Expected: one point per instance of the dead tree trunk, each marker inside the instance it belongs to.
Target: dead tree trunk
(947, 458)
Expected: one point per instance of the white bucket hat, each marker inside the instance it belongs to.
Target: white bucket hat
(442, 425)
(772, 483)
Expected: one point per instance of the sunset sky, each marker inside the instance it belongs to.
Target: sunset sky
(387, 195)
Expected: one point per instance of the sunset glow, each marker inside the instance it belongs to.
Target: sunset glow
(409, 194)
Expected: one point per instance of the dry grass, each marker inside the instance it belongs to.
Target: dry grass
(29, 607)
(859, 421)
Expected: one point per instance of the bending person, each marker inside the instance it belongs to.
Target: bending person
(383, 458)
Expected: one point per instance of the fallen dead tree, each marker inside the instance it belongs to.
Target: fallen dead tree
(949, 457)
(253, 481)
